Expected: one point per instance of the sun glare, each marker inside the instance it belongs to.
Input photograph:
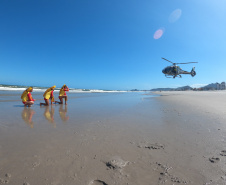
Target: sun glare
(158, 34)
(175, 15)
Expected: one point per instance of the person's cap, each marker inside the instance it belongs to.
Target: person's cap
(29, 89)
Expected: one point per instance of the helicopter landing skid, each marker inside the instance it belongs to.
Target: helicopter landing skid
(167, 76)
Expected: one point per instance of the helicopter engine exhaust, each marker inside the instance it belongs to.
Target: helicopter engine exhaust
(193, 73)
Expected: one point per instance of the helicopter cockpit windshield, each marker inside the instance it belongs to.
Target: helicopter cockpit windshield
(166, 70)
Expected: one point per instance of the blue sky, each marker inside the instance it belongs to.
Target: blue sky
(111, 44)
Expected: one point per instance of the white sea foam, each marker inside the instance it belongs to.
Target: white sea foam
(92, 91)
(17, 89)
(57, 90)
(11, 89)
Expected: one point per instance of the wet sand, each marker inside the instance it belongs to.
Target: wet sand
(118, 138)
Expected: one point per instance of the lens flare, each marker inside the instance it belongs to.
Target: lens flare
(158, 34)
(175, 15)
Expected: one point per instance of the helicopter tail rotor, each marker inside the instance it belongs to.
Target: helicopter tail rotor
(193, 73)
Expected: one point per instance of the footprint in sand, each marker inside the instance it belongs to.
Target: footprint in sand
(8, 175)
(36, 164)
(5, 181)
(214, 159)
(223, 153)
(116, 163)
(155, 146)
(2, 181)
(165, 174)
(97, 182)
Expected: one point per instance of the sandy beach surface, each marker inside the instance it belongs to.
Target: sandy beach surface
(114, 139)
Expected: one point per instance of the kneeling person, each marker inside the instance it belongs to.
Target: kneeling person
(63, 95)
(27, 98)
(48, 95)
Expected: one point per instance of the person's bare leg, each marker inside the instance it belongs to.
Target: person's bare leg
(65, 100)
(29, 103)
(46, 104)
(60, 102)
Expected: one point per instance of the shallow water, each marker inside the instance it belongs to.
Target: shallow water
(81, 108)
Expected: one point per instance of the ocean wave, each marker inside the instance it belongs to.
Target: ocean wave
(17, 89)
(41, 89)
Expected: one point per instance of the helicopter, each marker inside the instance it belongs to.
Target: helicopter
(175, 71)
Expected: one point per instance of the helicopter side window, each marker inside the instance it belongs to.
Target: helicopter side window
(167, 70)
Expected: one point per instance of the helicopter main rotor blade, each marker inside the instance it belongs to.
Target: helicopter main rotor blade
(187, 63)
(168, 60)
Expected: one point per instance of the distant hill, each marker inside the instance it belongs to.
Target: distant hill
(184, 88)
(212, 86)
(163, 89)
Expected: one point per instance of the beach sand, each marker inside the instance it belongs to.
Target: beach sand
(115, 139)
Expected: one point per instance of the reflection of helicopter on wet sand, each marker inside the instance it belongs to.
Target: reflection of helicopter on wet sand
(174, 70)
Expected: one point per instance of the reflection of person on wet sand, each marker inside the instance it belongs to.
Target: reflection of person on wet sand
(63, 112)
(49, 115)
(27, 116)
